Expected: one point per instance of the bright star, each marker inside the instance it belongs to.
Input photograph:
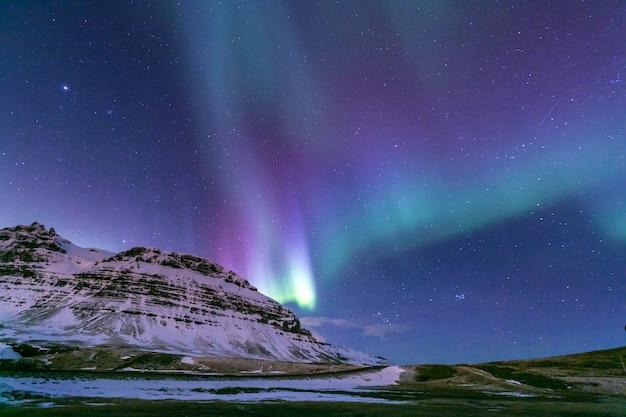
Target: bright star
(65, 87)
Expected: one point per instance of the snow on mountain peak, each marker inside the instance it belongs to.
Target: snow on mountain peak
(53, 290)
(42, 248)
(179, 261)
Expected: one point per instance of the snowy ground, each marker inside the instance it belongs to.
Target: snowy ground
(7, 352)
(349, 387)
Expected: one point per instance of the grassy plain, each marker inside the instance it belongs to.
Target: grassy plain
(588, 384)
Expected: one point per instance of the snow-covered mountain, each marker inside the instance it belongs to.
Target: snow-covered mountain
(52, 290)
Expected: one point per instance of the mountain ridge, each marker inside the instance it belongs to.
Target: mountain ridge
(55, 291)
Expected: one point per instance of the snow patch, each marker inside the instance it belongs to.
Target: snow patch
(510, 394)
(7, 352)
(348, 387)
(188, 360)
(514, 382)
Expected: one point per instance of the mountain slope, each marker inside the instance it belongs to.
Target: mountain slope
(52, 290)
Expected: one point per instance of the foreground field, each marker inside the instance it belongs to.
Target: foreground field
(590, 384)
(468, 407)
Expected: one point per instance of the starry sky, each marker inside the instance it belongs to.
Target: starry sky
(428, 181)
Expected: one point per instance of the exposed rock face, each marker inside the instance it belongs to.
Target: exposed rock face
(52, 290)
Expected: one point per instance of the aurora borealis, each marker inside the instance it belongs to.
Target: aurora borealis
(427, 181)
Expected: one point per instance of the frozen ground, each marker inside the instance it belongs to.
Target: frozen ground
(7, 352)
(349, 387)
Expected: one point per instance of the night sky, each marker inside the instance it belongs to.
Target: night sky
(428, 181)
